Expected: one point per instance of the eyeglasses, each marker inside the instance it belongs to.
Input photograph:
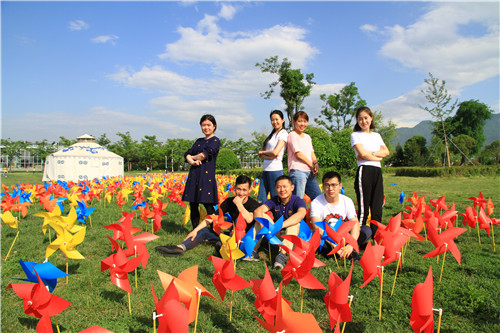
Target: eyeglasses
(331, 185)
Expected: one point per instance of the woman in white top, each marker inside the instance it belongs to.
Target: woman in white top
(272, 152)
(370, 150)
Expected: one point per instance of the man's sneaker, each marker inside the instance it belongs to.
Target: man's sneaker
(280, 261)
(169, 251)
(253, 257)
(355, 256)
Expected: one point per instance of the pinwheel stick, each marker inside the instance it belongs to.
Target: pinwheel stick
(154, 322)
(129, 304)
(198, 290)
(440, 311)
(90, 221)
(67, 275)
(301, 298)
(57, 325)
(135, 273)
(493, 237)
(381, 289)
(350, 302)
(478, 235)
(425, 232)
(396, 274)
(17, 235)
(343, 249)
(231, 307)
(444, 257)
(336, 261)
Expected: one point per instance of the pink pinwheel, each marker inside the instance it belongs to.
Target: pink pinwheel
(172, 316)
(422, 319)
(336, 299)
(371, 262)
(444, 242)
(266, 296)
(119, 266)
(39, 302)
(290, 321)
(187, 285)
(225, 277)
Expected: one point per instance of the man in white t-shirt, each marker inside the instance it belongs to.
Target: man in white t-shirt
(330, 207)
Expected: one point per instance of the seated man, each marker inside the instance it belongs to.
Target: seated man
(291, 207)
(330, 206)
(241, 203)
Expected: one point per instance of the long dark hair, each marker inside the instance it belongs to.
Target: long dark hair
(279, 113)
(209, 117)
(366, 109)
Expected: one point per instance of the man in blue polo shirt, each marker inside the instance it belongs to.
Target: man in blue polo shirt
(291, 207)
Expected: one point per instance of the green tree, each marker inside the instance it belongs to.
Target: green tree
(437, 96)
(387, 131)
(397, 158)
(103, 140)
(42, 149)
(340, 108)
(127, 148)
(12, 149)
(174, 150)
(491, 153)
(464, 146)
(470, 119)
(293, 88)
(240, 147)
(324, 149)
(151, 152)
(227, 160)
(66, 142)
(341, 140)
(415, 152)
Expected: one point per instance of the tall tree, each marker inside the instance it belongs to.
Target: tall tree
(491, 153)
(12, 149)
(150, 152)
(387, 131)
(415, 151)
(66, 142)
(464, 146)
(42, 149)
(126, 147)
(103, 140)
(437, 96)
(470, 119)
(175, 149)
(340, 108)
(295, 87)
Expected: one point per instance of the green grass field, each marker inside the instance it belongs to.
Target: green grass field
(469, 293)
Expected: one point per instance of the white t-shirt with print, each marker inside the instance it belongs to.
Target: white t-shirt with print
(329, 213)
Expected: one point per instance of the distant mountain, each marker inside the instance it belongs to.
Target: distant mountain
(424, 128)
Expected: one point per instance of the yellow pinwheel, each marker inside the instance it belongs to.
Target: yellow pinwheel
(73, 199)
(66, 242)
(187, 215)
(154, 196)
(68, 222)
(9, 219)
(50, 217)
(229, 248)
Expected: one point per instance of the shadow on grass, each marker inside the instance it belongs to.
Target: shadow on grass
(115, 296)
(73, 268)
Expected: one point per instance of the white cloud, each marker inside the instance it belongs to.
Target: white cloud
(369, 28)
(227, 11)
(105, 39)
(78, 25)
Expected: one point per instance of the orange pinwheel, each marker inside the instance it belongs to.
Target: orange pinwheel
(218, 222)
(336, 299)
(172, 316)
(39, 302)
(225, 277)
(490, 207)
(422, 319)
(288, 320)
(187, 285)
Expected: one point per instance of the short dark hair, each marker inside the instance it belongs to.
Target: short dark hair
(243, 179)
(282, 177)
(330, 175)
(209, 117)
(366, 109)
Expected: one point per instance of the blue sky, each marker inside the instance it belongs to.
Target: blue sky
(153, 68)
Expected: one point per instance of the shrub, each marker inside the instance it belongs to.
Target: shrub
(227, 160)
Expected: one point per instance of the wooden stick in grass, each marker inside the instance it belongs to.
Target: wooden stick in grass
(10, 249)
(350, 302)
(440, 311)
(396, 274)
(198, 290)
(381, 289)
(129, 304)
(444, 257)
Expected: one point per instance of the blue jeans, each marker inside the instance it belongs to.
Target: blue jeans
(305, 183)
(267, 184)
(205, 234)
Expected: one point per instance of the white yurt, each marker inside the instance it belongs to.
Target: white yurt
(85, 160)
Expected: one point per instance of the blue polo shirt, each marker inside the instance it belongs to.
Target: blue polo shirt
(278, 209)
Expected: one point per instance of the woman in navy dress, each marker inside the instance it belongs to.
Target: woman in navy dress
(201, 186)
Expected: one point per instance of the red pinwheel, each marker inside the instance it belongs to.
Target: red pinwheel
(470, 217)
(158, 212)
(371, 262)
(119, 266)
(172, 316)
(39, 302)
(299, 267)
(266, 296)
(95, 329)
(240, 228)
(394, 227)
(336, 299)
(444, 242)
(414, 225)
(218, 222)
(479, 201)
(187, 286)
(484, 221)
(225, 277)
(393, 243)
(302, 247)
(439, 203)
(342, 236)
(422, 319)
(288, 320)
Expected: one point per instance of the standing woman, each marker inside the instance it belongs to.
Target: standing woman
(272, 152)
(370, 150)
(201, 186)
(302, 163)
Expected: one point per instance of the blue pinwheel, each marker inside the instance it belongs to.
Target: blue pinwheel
(305, 232)
(140, 204)
(401, 197)
(83, 212)
(228, 217)
(24, 197)
(270, 229)
(248, 242)
(342, 191)
(46, 271)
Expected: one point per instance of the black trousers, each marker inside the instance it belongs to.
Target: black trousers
(195, 213)
(369, 187)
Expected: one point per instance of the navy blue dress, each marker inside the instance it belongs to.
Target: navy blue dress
(201, 186)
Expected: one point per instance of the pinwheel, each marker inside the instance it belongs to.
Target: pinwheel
(302, 247)
(336, 300)
(289, 321)
(11, 221)
(239, 228)
(479, 201)
(324, 235)
(66, 242)
(21, 208)
(248, 242)
(172, 316)
(39, 302)
(83, 213)
(422, 319)
(490, 207)
(48, 202)
(66, 222)
(444, 243)
(269, 229)
(304, 231)
(95, 329)
(266, 296)
(393, 244)
(47, 272)
(188, 287)
(342, 235)
(439, 203)
(371, 262)
(229, 248)
(218, 222)
(486, 224)
(158, 212)
(402, 197)
(226, 278)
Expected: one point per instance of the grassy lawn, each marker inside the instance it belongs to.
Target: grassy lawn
(469, 293)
